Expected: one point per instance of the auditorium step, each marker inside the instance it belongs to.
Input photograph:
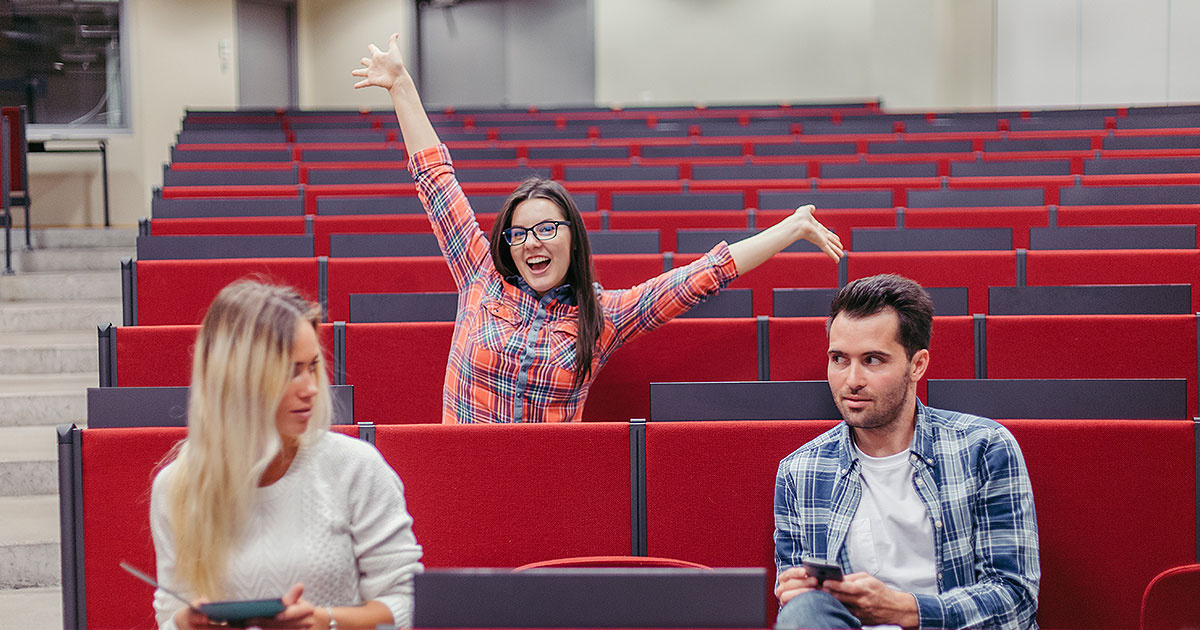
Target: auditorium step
(28, 461)
(61, 315)
(59, 238)
(44, 399)
(49, 312)
(48, 353)
(31, 607)
(29, 543)
(61, 285)
(74, 249)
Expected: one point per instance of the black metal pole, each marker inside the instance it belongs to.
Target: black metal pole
(104, 173)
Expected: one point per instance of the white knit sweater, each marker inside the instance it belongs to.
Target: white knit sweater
(336, 522)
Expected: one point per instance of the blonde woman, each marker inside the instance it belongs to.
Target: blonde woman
(261, 500)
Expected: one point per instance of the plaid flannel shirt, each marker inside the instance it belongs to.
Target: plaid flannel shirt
(970, 475)
(512, 358)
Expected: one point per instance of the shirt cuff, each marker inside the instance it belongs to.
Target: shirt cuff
(722, 263)
(428, 158)
(930, 612)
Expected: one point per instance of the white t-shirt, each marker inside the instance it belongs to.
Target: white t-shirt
(890, 535)
(336, 522)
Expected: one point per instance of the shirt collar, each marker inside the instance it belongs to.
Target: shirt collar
(561, 294)
(922, 443)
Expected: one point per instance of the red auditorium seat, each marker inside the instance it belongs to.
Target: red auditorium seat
(1094, 346)
(681, 350)
(153, 356)
(781, 270)
(1170, 601)
(504, 496)
(1143, 266)
(179, 291)
(975, 270)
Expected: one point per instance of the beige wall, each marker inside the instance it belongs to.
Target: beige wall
(333, 37)
(169, 69)
(930, 54)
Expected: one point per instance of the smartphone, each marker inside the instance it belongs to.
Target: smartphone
(822, 570)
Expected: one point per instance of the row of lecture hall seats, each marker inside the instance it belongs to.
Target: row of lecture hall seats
(230, 168)
(644, 494)
(398, 368)
(686, 241)
(235, 127)
(403, 215)
(1057, 154)
(1021, 172)
(178, 291)
(725, 195)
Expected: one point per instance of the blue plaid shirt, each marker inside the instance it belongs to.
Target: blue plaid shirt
(970, 475)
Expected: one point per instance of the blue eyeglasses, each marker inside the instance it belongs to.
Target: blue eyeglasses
(544, 231)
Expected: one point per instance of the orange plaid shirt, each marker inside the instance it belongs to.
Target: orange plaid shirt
(512, 358)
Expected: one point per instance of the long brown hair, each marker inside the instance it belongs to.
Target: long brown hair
(580, 273)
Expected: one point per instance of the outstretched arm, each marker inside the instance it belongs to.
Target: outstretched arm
(385, 69)
(459, 237)
(753, 251)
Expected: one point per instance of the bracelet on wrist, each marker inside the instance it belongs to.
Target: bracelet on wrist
(333, 625)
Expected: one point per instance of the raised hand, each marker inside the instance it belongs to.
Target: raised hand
(814, 232)
(384, 68)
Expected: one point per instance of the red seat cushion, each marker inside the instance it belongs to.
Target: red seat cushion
(622, 389)
(179, 291)
(508, 495)
(975, 270)
(397, 370)
(1093, 346)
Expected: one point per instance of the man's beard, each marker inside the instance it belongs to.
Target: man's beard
(884, 409)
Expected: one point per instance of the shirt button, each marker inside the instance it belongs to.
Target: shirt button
(842, 471)
(920, 482)
(937, 523)
(913, 456)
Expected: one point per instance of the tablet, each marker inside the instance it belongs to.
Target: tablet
(235, 612)
(231, 612)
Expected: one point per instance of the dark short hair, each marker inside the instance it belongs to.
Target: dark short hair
(867, 296)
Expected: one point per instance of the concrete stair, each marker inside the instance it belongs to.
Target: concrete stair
(49, 312)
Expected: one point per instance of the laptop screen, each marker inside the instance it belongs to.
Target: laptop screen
(590, 598)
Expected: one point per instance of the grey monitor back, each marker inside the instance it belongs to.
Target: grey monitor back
(678, 201)
(403, 307)
(186, 208)
(742, 400)
(590, 598)
(110, 407)
(368, 245)
(1127, 195)
(1114, 237)
(238, 246)
(1134, 399)
(976, 198)
(327, 206)
(624, 241)
(816, 302)
(727, 303)
(825, 199)
(1100, 299)
(931, 239)
(688, 241)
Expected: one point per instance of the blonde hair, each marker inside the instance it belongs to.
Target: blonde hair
(240, 373)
